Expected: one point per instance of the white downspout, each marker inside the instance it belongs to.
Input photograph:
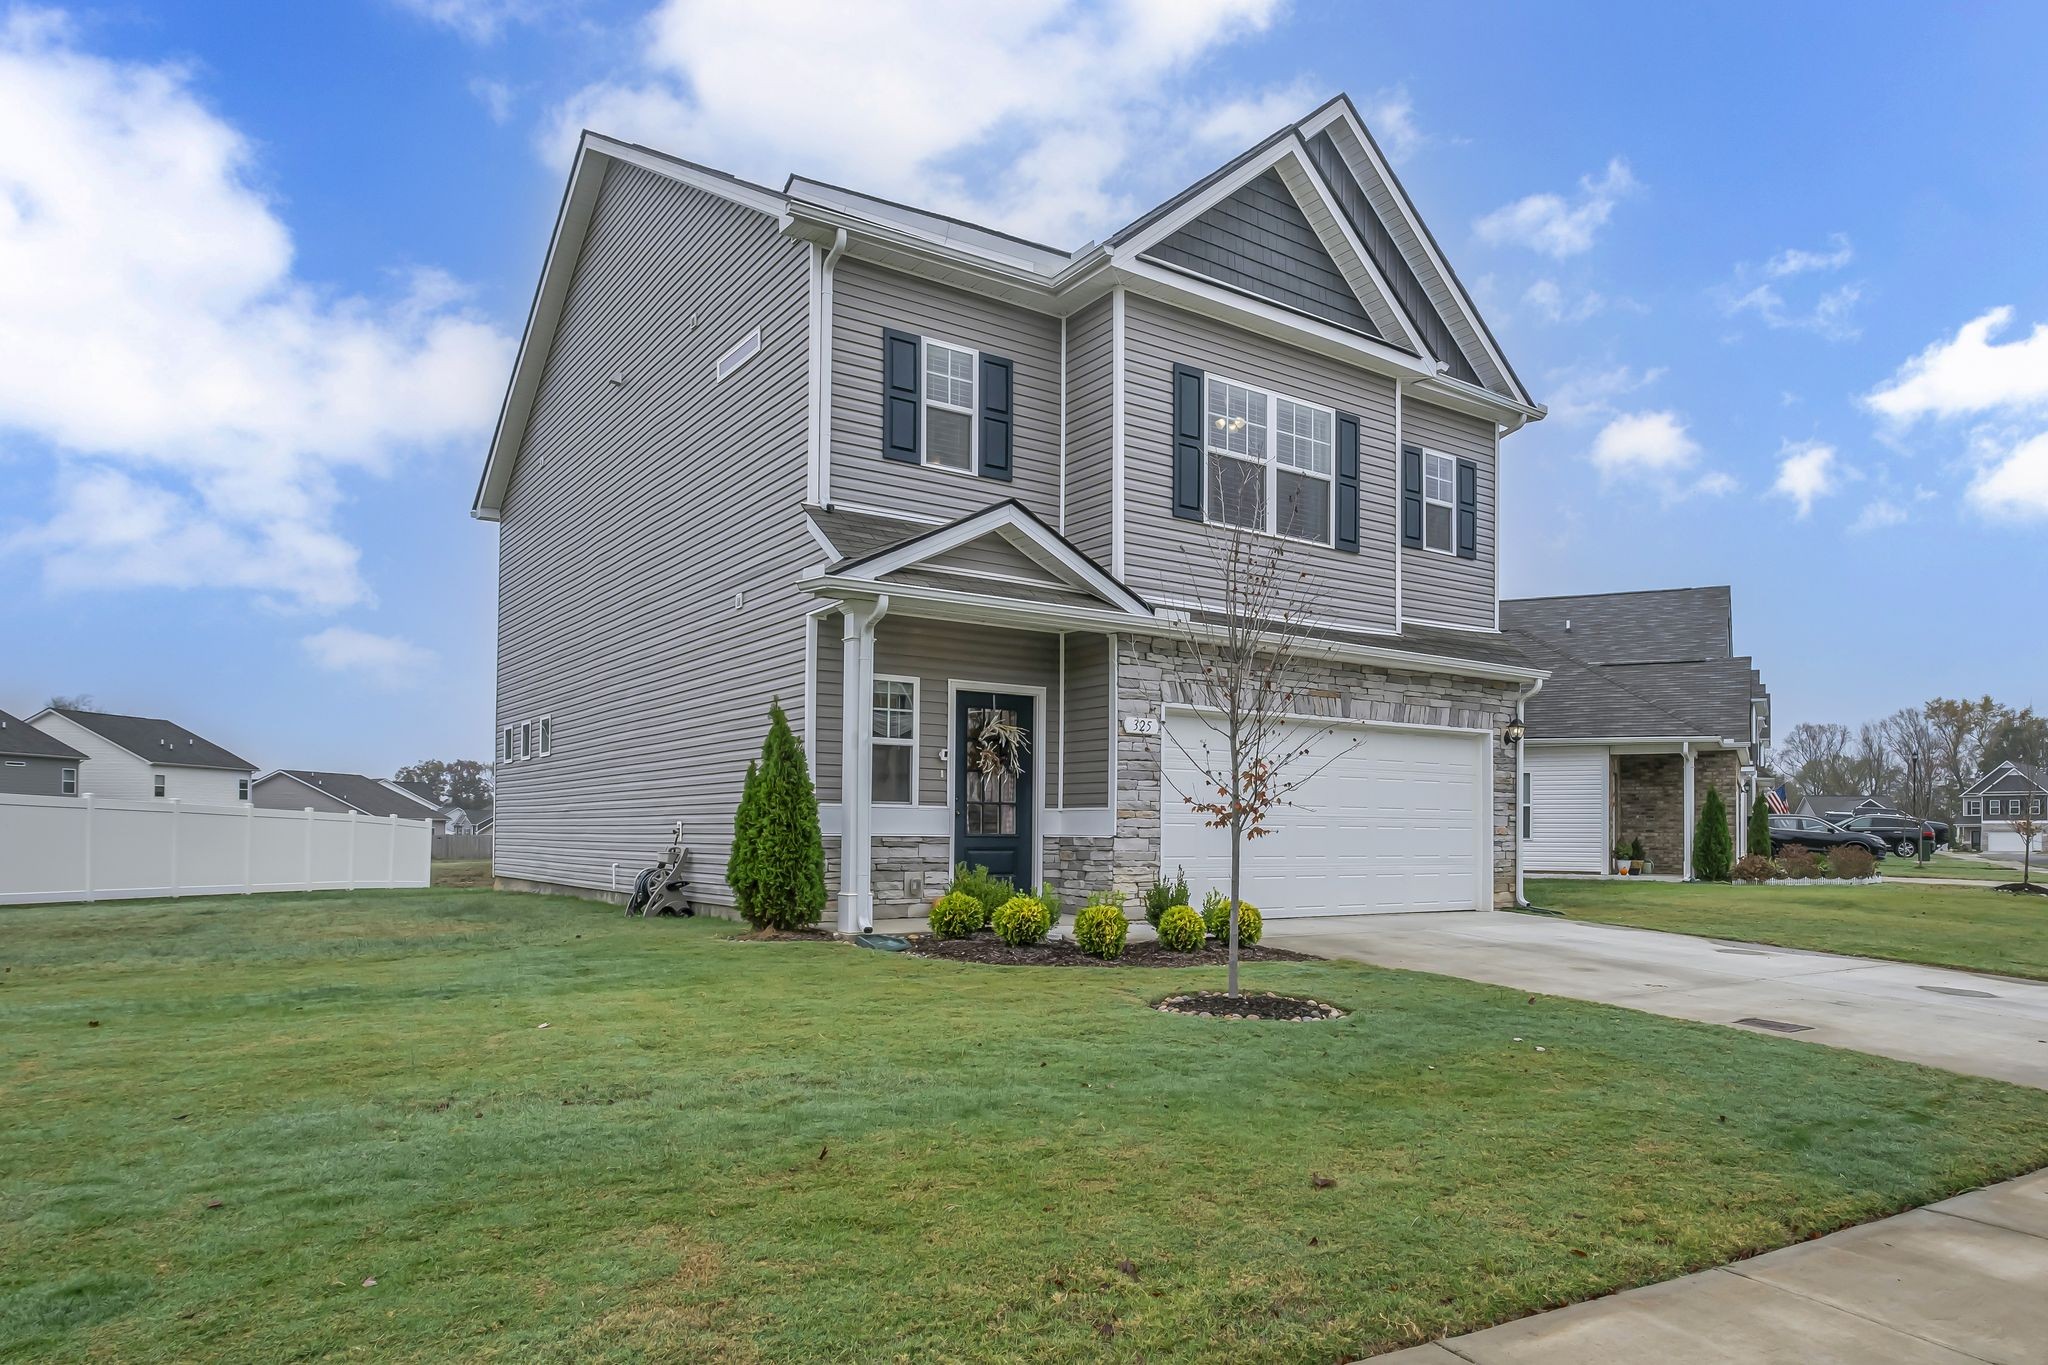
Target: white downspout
(856, 758)
(1521, 702)
(825, 367)
(1685, 834)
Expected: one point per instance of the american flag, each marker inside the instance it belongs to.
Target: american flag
(1774, 797)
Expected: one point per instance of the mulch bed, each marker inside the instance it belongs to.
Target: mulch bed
(2022, 888)
(782, 936)
(1266, 1005)
(986, 947)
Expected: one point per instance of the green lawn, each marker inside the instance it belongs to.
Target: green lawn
(1943, 865)
(224, 1118)
(1947, 926)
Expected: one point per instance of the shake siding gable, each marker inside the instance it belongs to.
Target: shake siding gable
(1441, 588)
(865, 300)
(1162, 553)
(651, 538)
(1091, 349)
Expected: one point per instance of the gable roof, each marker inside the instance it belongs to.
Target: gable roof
(370, 795)
(163, 743)
(1846, 805)
(2026, 771)
(1663, 625)
(19, 739)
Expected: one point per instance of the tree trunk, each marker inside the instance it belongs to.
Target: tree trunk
(1236, 847)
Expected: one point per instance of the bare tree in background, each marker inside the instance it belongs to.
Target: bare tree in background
(81, 701)
(1816, 756)
(1959, 728)
(1240, 650)
(1911, 741)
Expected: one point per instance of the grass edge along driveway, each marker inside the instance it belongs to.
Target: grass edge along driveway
(1968, 927)
(252, 1129)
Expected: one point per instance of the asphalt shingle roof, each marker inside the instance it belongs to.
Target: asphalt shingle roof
(366, 794)
(162, 742)
(1665, 625)
(19, 739)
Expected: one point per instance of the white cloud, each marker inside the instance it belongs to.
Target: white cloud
(1808, 471)
(2016, 484)
(1390, 114)
(1579, 393)
(1969, 374)
(1548, 223)
(383, 660)
(1798, 261)
(1876, 516)
(1241, 123)
(1830, 317)
(494, 96)
(202, 399)
(1652, 442)
(478, 20)
(1547, 300)
(904, 99)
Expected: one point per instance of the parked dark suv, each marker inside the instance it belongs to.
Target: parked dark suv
(1817, 834)
(1901, 831)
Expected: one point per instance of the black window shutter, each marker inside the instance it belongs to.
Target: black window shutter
(899, 395)
(1347, 483)
(1468, 510)
(1187, 443)
(1411, 497)
(995, 417)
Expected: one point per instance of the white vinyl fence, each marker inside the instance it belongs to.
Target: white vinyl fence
(83, 848)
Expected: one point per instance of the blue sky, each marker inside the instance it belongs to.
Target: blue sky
(261, 268)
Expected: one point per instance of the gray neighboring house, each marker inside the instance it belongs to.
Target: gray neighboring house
(139, 758)
(911, 476)
(1647, 707)
(36, 764)
(303, 788)
(1837, 808)
(2008, 792)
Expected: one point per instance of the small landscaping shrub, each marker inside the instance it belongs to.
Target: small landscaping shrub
(1181, 929)
(1216, 915)
(1851, 863)
(1713, 847)
(1101, 926)
(1050, 899)
(1163, 896)
(1635, 851)
(1760, 826)
(986, 888)
(1799, 863)
(1755, 867)
(780, 883)
(957, 915)
(1021, 921)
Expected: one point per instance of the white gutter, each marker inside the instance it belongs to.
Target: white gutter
(1521, 702)
(832, 256)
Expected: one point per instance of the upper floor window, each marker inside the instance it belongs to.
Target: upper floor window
(242, 789)
(1272, 462)
(157, 787)
(1971, 808)
(895, 741)
(2035, 803)
(1439, 502)
(948, 405)
(67, 781)
(526, 739)
(547, 735)
(511, 743)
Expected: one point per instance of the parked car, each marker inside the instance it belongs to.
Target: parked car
(1901, 831)
(1818, 835)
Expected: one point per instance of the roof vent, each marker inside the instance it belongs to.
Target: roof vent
(1567, 625)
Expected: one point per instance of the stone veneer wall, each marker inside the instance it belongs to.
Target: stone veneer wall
(912, 871)
(1148, 674)
(1649, 795)
(1721, 771)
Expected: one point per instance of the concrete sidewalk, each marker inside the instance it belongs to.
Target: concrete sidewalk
(1960, 1021)
(1959, 1282)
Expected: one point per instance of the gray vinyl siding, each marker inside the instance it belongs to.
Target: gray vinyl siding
(636, 516)
(991, 555)
(937, 653)
(35, 775)
(1089, 720)
(1091, 417)
(1258, 240)
(1441, 588)
(284, 793)
(866, 299)
(1371, 231)
(1162, 553)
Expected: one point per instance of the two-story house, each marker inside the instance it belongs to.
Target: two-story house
(35, 764)
(140, 757)
(2006, 792)
(923, 481)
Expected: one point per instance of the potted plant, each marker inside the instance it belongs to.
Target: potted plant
(1638, 865)
(1620, 859)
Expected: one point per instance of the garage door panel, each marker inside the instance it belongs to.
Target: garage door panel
(1567, 810)
(1390, 822)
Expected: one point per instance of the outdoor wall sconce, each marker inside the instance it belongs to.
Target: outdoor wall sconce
(1511, 733)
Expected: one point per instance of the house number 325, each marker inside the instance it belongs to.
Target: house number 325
(1141, 725)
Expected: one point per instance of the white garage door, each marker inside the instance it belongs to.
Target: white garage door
(1567, 820)
(1395, 820)
(1996, 840)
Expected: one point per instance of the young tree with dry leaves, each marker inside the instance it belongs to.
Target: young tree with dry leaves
(1240, 648)
(2029, 828)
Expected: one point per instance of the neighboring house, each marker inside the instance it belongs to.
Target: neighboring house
(140, 757)
(303, 788)
(910, 476)
(33, 763)
(1837, 808)
(456, 820)
(1647, 707)
(2010, 791)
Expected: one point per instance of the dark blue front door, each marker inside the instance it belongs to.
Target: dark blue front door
(992, 783)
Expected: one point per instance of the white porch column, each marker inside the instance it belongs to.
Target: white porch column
(1685, 835)
(856, 760)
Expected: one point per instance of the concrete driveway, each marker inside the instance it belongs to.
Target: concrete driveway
(1960, 1021)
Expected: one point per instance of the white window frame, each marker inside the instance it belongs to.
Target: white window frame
(1271, 459)
(525, 740)
(2034, 805)
(545, 745)
(241, 789)
(158, 786)
(739, 353)
(511, 744)
(67, 781)
(925, 403)
(1973, 807)
(916, 729)
(1428, 502)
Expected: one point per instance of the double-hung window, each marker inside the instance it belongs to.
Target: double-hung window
(242, 789)
(894, 731)
(157, 787)
(67, 781)
(526, 740)
(1271, 462)
(511, 743)
(1970, 808)
(949, 405)
(547, 735)
(1439, 502)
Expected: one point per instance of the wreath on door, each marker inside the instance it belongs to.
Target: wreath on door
(998, 746)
